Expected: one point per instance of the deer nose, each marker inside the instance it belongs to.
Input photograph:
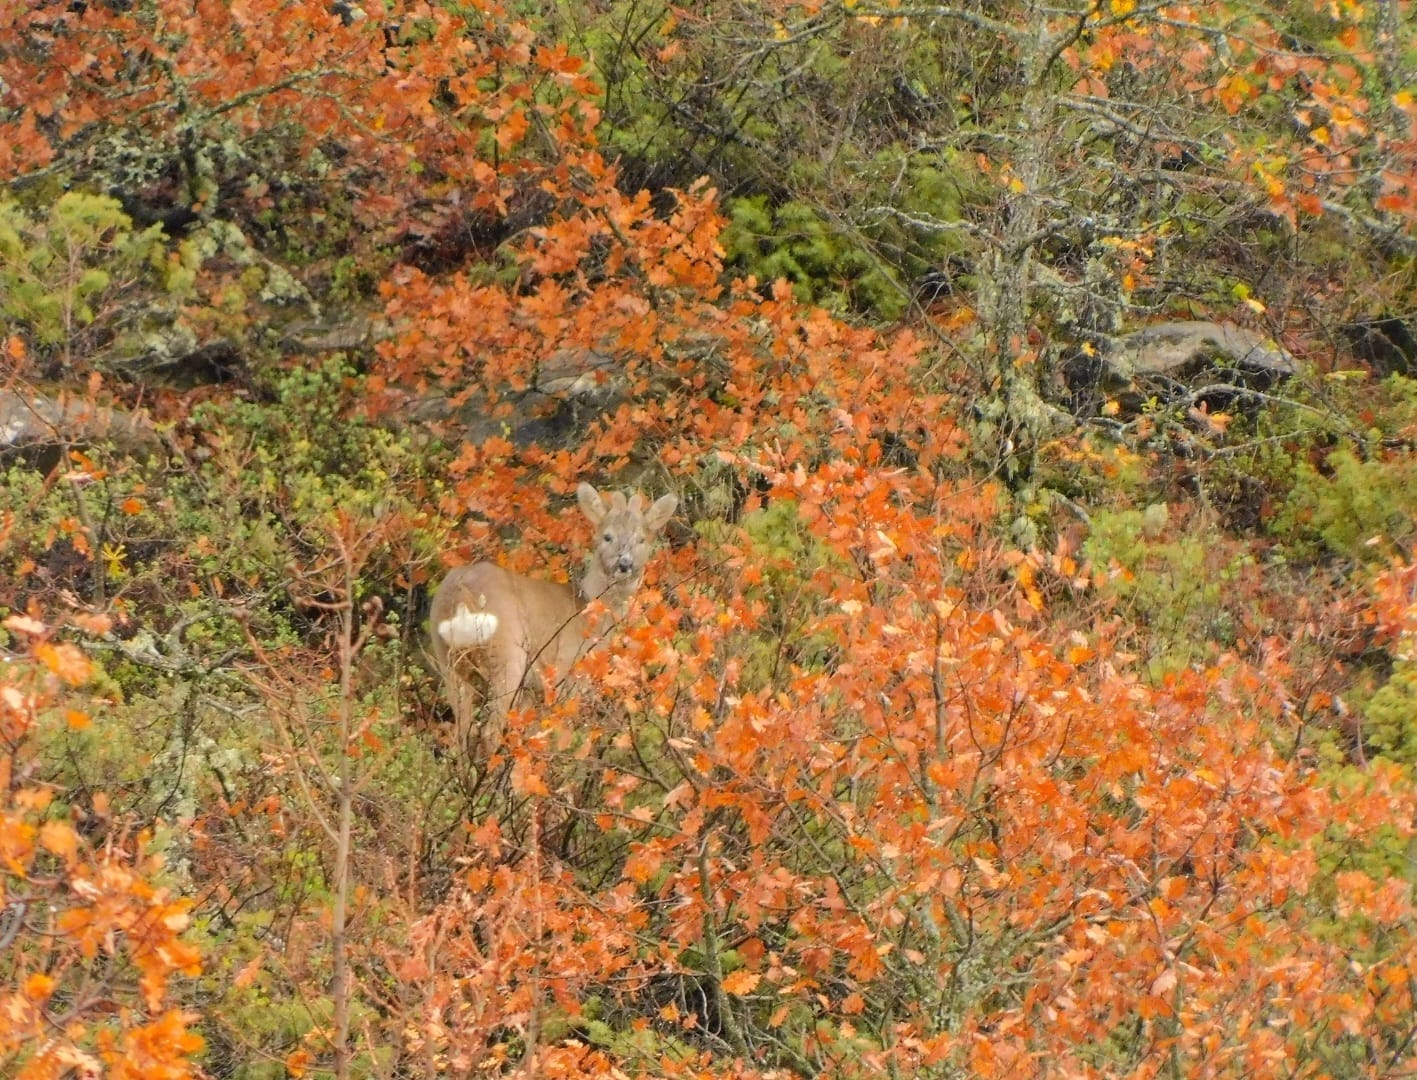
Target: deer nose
(624, 564)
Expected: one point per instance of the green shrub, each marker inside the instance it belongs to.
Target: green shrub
(1180, 587)
(1351, 502)
(61, 271)
(796, 243)
(1390, 726)
(786, 593)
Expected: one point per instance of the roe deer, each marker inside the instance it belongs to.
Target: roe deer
(500, 632)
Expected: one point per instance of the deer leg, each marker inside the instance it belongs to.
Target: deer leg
(466, 693)
(504, 682)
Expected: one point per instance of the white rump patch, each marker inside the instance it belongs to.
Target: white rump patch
(467, 629)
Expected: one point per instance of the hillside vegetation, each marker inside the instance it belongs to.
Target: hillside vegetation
(1025, 686)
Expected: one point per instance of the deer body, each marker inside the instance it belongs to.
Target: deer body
(496, 633)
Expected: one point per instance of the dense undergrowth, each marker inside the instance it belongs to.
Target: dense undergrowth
(952, 735)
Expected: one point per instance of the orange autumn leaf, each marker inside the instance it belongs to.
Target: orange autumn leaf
(59, 838)
(38, 986)
(248, 972)
(643, 864)
(512, 129)
(154, 1051)
(92, 622)
(741, 982)
(529, 781)
(64, 660)
(23, 624)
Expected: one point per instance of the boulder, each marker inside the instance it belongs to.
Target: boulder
(1193, 361)
(31, 421)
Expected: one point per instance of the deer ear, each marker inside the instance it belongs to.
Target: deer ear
(617, 501)
(636, 503)
(659, 514)
(592, 505)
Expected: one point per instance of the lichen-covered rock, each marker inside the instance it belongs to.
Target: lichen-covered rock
(1171, 360)
(35, 421)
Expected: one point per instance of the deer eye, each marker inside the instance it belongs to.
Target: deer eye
(609, 538)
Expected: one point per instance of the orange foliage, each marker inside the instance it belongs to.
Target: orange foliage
(79, 921)
(930, 790)
(240, 69)
(1338, 149)
(851, 804)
